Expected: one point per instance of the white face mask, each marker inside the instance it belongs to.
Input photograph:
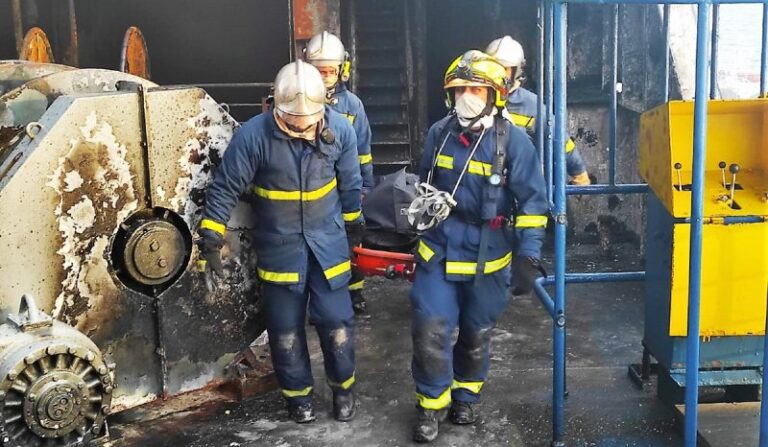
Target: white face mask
(468, 107)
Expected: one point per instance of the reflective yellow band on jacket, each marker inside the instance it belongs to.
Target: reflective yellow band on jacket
(287, 277)
(522, 120)
(345, 385)
(365, 159)
(475, 167)
(425, 252)
(444, 161)
(337, 270)
(434, 403)
(297, 393)
(470, 268)
(474, 387)
(357, 285)
(208, 224)
(570, 145)
(530, 221)
(353, 216)
(351, 118)
(305, 196)
(201, 263)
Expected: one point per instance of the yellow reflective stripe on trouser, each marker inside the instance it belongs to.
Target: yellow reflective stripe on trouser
(474, 387)
(522, 120)
(305, 196)
(366, 158)
(337, 270)
(434, 403)
(345, 385)
(425, 252)
(570, 145)
(530, 221)
(470, 268)
(357, 285)
(297, 393)
(351, 217)
(287, 277)
(208, 224)
(475, 167)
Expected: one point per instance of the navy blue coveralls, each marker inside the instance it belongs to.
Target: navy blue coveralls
(349, 105)
(447, 292)
(304, 192)
(522, 109)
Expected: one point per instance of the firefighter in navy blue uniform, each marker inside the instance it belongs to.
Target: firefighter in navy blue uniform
(302, 159)
(482, 206)
(521, 106)
(326, 52)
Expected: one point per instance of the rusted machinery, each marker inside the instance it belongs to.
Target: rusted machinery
(102, 178)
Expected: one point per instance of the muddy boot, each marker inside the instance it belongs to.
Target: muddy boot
(427, 424)
(301, 413)
(344, 407)
(358, 301)
(461, 413)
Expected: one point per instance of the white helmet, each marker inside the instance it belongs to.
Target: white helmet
(299, 90)
(325, 49)
(508, 51)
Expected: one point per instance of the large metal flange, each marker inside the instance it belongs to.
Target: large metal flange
(56, 392)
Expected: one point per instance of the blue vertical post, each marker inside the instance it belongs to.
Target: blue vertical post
(763, 400)
(763, 55)
(665, 63)
(540, 129)
(559, 212)
(697, 211)
(713, 57)
(548, 101)
(614, 94)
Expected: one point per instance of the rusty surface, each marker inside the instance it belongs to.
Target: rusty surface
(36, 47)
(134, 58)
(72, 53)
(18, 28)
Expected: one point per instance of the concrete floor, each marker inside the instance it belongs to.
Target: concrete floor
(603, 409)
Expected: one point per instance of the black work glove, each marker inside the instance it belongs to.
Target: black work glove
(355, 231)
(209, 264)
(525, 271)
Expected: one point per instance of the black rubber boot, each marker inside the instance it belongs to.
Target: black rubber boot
(301, 413)
(358, 301)
(344, 407)
(427, 424)
(461, 413)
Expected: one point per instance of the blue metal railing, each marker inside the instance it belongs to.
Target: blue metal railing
(552, 88)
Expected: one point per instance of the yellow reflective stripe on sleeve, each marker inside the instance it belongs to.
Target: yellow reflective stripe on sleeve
(480, 168)
(530, 221)
(345, 385)
(522, 120)
(365, 158)
(286, 277)
(570, 145)
(297, 393)
(353, 216)
(445, 161)
(337, 270)
(434, 403)
(305, 196)
(474, 387)
(208, 224)
(201, 263)
(357, 285)
(425, 252)
(470, 268)
(351, 118)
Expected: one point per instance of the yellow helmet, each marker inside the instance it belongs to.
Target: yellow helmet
(475, 68)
